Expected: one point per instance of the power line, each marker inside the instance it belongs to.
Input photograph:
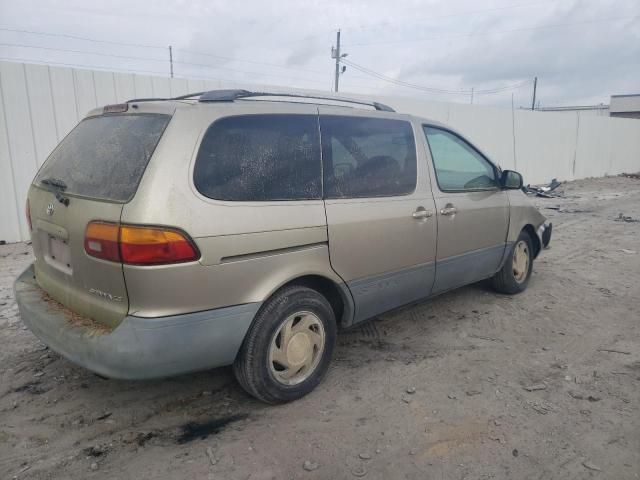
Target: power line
(192, 52)
(77, 37)
(128, 57)
(83, 66)
(432, 89)
(538, 27)
(84, 52)
(256, 62)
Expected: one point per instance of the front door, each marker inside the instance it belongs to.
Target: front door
(472, 210)
(380, 211)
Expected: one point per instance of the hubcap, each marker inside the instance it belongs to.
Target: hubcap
(521, 261)
(296, 348)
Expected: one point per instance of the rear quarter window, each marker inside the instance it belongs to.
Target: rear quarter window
(104, 157)
(367, 157)
(265, 157)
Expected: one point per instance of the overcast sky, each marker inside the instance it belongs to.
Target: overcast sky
(582, 51)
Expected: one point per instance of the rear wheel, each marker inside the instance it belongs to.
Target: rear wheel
(516, 271)
(288, 348)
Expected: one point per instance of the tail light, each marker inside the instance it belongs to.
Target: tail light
(101, 241)
(28, 213)
(139, 245)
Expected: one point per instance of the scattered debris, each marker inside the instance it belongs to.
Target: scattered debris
(365, 456)
(630, 252)
(471, 393)
(143, 437)
(452, 396)
(411, 390)
(631, 175)
(592, 398)
(591, 466)
(94, 466)
(625, 218)
(310, 466)
(543, 191)
(611, 350)
(212, 457)
(537, 386)
(34, 388)
(95, 451)
(576, 395)
(104, 416)
(481, 337)
(515, 452)
(38, 374)
(359, 471)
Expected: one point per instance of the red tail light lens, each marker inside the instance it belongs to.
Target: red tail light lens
(28, 213)
(155, 246)
(138, 245)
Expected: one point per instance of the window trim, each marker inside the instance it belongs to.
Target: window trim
(496, 169)
(198, 148)
(369, 117)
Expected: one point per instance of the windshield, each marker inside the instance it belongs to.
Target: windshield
(104, 157)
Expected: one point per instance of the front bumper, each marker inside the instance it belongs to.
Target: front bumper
(138, 348)
(544, 234)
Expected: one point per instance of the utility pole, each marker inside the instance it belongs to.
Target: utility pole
(171, 60)
(335, 53)
(535, 86)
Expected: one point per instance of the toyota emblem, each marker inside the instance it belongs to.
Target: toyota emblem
(50, 209)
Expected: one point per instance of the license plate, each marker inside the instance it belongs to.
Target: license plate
(60, 253)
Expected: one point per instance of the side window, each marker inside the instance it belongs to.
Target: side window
(367, 157)
(457, 164)
(260, 158)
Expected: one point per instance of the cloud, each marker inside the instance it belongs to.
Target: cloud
(431, 43)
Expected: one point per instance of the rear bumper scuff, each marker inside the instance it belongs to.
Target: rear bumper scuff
(138, 348)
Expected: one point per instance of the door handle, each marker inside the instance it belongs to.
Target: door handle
(421, 213)
(449, 210)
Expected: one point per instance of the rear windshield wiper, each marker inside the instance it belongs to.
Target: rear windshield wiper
(58, 186)
(55, 182)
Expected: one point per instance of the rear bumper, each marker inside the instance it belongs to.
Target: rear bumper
(139, 348)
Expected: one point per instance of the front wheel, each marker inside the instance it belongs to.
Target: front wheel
(516, 271)
(288, 348)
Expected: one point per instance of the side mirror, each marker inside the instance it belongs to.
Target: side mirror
(511, 180)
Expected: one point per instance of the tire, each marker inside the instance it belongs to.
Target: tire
(511, 278)
(288, 348)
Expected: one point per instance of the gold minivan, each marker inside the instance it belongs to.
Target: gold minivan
(247, 228)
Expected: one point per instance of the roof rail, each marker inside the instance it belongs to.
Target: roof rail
(231, 95)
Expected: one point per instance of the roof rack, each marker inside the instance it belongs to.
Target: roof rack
(231, 95)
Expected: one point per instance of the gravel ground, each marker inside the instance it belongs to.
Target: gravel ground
(472, 384)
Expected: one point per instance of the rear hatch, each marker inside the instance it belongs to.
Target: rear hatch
(89, 177)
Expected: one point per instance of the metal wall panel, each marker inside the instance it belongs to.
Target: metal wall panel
(42, 111)
(39, 105)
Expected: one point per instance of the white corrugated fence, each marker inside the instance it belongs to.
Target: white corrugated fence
(40, 104)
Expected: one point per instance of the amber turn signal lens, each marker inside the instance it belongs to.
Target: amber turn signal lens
(101, 241)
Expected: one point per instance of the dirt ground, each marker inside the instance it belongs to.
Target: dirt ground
(470, 385)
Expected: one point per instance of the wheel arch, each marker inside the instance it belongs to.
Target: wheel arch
(535, 240)
(337, 294)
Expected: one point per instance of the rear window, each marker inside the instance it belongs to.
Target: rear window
(260, 158)
(367, 157)
(104, 157)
